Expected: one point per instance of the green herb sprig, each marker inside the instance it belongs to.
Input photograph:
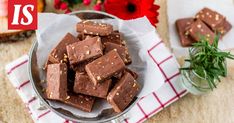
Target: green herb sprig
(207, 61)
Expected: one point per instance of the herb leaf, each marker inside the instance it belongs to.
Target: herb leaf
(207, 61)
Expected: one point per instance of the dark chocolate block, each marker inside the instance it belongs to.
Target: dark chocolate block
(85, 86)
(105, 67)
(81, 102)
(198, 29)
(123, 92)
(182, 25)
(94, 28)
(84, 50)
(56, 81)
(114, 37)
(122, 51)
(59, 53)
(210, 17)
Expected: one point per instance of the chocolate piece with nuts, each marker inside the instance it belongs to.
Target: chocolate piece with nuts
(82, 102)
(199, 29)
(210, 17)
(85, 86)
(59, 53)
(105, 67)
(123, 92)
(214, 20)
(94, 28)
(114, 37)
(56, 81)
(182, 25)
(84, 50)
(122, 51)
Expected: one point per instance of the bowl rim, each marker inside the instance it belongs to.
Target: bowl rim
(35, 44)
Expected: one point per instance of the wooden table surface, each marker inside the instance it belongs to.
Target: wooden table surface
(214, 107)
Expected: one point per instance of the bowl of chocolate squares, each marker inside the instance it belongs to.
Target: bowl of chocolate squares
(83, 69)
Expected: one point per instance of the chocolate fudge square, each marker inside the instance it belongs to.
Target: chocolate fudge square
(182, 25)
(59, 53)
(56, 81)
(210, 17)
(198, 29)
(122, 51)
(84, 50)
(79, 101)
(114, 37)
(85, 86)
(105, 67)
(123, 92)
(94, 28)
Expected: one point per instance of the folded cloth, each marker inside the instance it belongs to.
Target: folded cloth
(146, 107)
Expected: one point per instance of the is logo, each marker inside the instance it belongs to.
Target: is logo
(22, 14)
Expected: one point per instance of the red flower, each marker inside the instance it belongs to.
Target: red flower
(57, 4)
(131, 9)
(63, 6)
(86, 2)
(97, 7)
(67, 11)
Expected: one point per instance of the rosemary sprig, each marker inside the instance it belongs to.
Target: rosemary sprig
(207, 61)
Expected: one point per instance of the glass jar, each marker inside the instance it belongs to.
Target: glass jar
(193, 82)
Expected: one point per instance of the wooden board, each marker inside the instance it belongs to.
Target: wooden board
(11, 35)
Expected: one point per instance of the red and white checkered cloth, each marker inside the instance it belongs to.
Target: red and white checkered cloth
(147, 106)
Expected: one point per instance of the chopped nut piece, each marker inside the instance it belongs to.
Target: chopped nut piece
(98, 78)
(88, 52)
(198, 26)
(68, 97)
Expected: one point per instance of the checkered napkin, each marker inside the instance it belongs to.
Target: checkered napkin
(147, 106)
